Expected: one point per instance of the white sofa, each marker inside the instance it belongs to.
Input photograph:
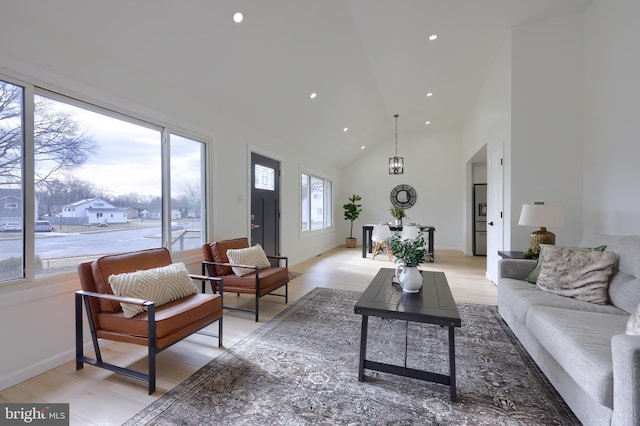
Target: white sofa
(582, 347)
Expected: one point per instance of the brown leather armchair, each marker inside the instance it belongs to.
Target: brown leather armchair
(157, 328)
(259, 283)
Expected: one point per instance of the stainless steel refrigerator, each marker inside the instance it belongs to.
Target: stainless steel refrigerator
(480, 219)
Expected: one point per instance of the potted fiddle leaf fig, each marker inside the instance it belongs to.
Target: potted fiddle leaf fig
(352, 211)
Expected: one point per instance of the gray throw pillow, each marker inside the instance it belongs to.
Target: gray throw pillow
(583, 275)
(533, 275)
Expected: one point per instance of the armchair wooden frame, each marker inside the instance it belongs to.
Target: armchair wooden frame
(91, 300)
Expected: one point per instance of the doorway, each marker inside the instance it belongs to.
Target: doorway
(265, 203)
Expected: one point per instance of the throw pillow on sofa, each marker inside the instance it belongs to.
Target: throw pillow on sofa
(533, 276)
(633, 324)
(160, 285)
(254, 256)
(583, 275)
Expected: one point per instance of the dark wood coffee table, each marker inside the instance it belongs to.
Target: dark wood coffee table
(433, 304)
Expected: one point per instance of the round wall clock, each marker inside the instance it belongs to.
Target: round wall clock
(403, 196)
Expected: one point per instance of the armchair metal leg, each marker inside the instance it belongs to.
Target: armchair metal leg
(220, 332)
(257, 305)
(152, 347)
(79, 333)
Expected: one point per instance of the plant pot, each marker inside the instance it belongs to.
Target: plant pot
(352, 242)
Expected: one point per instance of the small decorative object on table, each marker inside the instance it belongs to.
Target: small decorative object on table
(409, 254)
(397, 213)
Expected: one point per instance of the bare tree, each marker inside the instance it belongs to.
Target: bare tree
(59, 143)
(55, 193)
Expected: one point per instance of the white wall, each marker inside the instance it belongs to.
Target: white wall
(432, 168)
(612, 126)
(546, 123)
(487, 128)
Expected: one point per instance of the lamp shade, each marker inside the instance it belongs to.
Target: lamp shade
(541, 215)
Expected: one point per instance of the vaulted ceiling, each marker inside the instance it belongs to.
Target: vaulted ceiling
(365, 59)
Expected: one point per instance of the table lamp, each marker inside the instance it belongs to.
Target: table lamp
(543, 216)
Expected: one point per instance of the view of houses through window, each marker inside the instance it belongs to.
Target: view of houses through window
(316, 203)
(98, 185)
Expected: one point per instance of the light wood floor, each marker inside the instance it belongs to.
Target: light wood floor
(98, 397)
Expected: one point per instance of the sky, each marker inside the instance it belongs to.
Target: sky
(128, 156)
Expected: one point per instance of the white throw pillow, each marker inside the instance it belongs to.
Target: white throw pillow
(160, 285)
(254, 256)
(633, 324)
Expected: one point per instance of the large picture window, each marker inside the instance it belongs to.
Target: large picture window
(100, 185)
(316, 203)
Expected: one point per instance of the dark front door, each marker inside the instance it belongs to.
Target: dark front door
(265, 203)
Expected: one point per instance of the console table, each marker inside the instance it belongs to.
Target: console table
(367, 245)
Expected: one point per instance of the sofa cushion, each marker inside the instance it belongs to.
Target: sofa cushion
(583, 275)
(581, 343)
(270, 279)
(173, 320)
(254, 256)
(533, 275)
(517, 296)
(160, 285)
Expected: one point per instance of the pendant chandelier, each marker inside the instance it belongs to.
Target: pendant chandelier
(396, 164)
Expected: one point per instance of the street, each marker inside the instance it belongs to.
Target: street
(54, 245)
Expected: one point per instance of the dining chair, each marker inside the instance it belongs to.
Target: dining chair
(409, 232)
(379, 236)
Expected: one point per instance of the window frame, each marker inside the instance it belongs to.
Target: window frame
(327, 215)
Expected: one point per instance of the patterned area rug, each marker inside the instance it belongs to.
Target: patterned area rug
(301, 368)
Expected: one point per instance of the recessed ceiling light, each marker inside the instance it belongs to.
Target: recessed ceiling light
(427, 122)
(345, 129)
(237, 17)
(433, 37)
(429, 94)
(362, 147)
(313, 95)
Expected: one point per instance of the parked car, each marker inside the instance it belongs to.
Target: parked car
(175, 226)
(11, 227)
(43, 226)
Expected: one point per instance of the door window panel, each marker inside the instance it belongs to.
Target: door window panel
(265, 178)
